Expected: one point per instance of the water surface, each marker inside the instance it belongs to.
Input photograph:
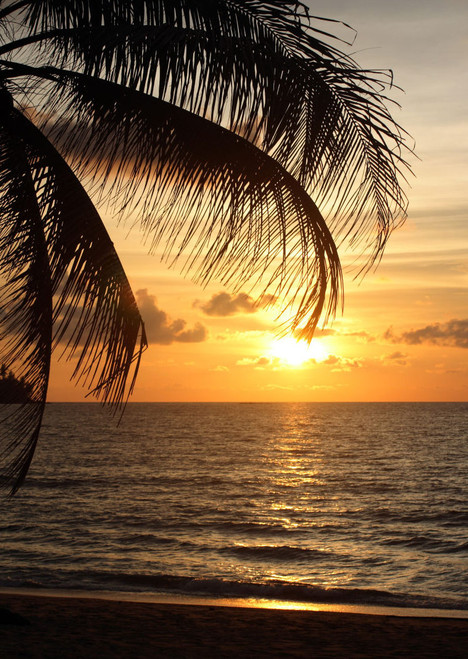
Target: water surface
(352, 503)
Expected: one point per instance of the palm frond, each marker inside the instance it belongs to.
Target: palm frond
(250, 143)
(81, 287)
(229, 210)
(26, 301)
(93, 296)
(264, 72)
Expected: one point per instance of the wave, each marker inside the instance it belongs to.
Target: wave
(446, 518)
(433, 545)
(278, 552)
(228, 505)
(250, 528)
(214, 587)
(61, 483)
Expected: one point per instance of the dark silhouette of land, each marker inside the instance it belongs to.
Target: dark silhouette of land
(13, 390)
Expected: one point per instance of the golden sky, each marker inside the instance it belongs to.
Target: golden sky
(403, 334)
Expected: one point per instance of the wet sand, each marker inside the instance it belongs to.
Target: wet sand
(78, 627)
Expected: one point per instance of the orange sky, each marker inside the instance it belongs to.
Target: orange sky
(404, 331)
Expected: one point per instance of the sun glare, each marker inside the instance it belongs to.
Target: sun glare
(295, 353)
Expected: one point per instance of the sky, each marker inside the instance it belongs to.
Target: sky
(403, 332)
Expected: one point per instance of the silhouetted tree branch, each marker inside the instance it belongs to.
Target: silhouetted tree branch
(245, 140)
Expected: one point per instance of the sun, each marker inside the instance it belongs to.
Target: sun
(295, 353)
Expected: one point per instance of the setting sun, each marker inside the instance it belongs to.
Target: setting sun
(295, 353)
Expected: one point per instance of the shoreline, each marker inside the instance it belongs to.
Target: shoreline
(74, 626)
(182, 599)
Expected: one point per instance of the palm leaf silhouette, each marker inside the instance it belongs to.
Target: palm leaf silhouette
(225, 125)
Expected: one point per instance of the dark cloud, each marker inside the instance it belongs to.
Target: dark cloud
(224, 304)
(454, 334)
(396, 355)
(160, 328)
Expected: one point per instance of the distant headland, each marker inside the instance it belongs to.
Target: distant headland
(13, 390)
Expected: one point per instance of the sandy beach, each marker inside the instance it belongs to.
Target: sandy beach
(78, 627)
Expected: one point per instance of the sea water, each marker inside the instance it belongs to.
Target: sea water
(346, 502)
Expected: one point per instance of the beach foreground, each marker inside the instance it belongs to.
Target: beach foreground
(79, 627)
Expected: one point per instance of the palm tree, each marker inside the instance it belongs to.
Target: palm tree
(225, 124)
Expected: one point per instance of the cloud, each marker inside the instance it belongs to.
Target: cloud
(336, 363)
(365, 336)
(323, 387)
(396, 358)
(257, 362)
(244, 336)
(396, 355)
(341, 363)
(454, 334)
(276, 387)
(320, 332)
(324, 332)
(224, 304)
(160, 328)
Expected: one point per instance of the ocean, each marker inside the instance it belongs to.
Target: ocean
(348, 503)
